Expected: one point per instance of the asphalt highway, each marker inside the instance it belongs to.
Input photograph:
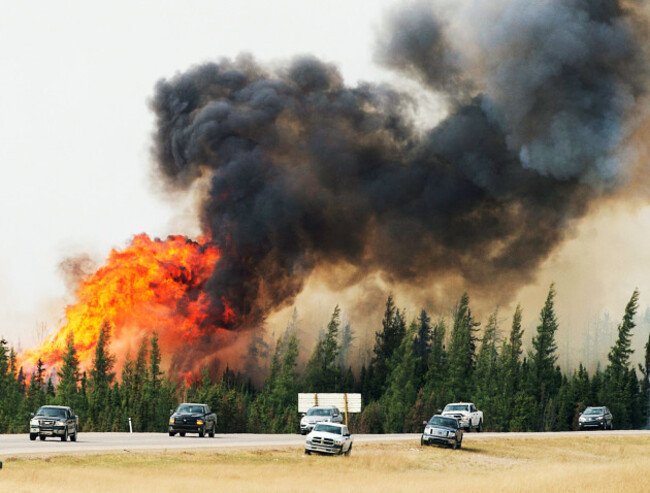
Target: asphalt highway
(93, 443)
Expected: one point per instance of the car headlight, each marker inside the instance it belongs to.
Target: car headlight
(199, 421)
(171, 421)
(582, 419)
(60, 422)
(452, 433)
(33, 422)
(338, 442)
(600, 418)
(427, 430)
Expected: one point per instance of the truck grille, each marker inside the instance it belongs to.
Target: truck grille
(322, 441)
(45, 422)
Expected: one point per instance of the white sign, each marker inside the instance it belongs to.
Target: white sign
(345, 402)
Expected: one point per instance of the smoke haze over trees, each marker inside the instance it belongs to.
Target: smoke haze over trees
(518, 388)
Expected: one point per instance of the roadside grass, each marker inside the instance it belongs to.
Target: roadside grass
(584, 463)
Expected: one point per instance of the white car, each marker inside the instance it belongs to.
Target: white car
(329, 438)
(319, 414)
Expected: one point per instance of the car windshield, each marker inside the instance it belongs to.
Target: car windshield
(457, 407)
(314, 411)
(594, 410)
(189, 408)
(338, 430)
(447, 422)
(51, 412)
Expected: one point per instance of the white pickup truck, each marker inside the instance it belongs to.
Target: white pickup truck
(467, 415)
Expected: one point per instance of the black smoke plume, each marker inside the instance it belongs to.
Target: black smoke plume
(307, 172)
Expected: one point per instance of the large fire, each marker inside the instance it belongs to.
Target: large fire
(152, 285)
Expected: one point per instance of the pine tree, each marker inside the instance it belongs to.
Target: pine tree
(620, 392)
(509, 367)
(487, 379)
(386, 342)
(462, 351)
(422, 346)
(436, 380)
(543, 382)
(401, 390)
(69, 375)
(645, 386)
(99, 383)
(322, 374)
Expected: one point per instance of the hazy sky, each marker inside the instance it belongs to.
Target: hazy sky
(75, 129)
(75, 124)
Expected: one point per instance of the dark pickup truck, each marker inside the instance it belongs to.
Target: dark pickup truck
(54, 421)
(190, 417)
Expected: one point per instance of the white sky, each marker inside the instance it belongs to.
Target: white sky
(75, 133)
(75, 125)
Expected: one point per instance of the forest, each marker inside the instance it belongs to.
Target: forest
(415, 368)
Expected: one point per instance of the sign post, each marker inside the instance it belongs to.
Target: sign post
(349, 403)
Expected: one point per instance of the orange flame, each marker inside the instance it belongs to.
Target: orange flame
(152, 285)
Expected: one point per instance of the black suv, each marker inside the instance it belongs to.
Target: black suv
(54, 421)
(192, 418)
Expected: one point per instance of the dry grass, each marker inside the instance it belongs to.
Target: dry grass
(583, 463)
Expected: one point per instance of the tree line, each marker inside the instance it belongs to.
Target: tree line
(415, 368)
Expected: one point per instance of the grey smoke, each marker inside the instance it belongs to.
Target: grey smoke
(306, 171)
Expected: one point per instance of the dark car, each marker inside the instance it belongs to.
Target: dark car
(54, 421)
(442, 430)
(190, 417)
(596, 417)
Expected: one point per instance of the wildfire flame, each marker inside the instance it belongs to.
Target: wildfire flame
(152, 285)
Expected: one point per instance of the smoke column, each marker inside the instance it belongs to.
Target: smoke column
(304, 171)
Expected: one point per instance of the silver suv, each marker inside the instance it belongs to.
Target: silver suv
(319, 414)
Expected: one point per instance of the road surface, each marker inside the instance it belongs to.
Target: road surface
(15, 445)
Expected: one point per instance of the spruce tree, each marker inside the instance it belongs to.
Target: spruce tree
(387, 340)
(462, 351)
(543, 383)
(322, 374)
(99, 383)
(621, 389)
(422, 346)
(487, 381)
(69, 375)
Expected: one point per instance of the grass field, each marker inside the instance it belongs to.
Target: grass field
(583, 463)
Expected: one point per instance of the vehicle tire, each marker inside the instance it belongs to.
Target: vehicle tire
(41, 438)
(307, 452)
(212, 431)
(64, 437)
(32, 436)
(349, 451)
(73, 438)
(422, 441)
(202, 433)
(172, 434)
(182, 433)
(480, 426)
(580, 428)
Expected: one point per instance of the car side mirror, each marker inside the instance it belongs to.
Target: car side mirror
(347, 434)
(171, 411)
(302, 414)
(424, 422)
(439, 411)
(31, 415)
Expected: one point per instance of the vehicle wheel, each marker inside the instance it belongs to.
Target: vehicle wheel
(422, 441)
(349, 451)
(212, 431)
(480, 426)
(308, 452)
(469, 427)
(182, 433)
(64, 438)
(201, 433)
(42, 438)
(580, 428)
(32, 436)
(73, 438)
(172, 434)
(604, 427)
